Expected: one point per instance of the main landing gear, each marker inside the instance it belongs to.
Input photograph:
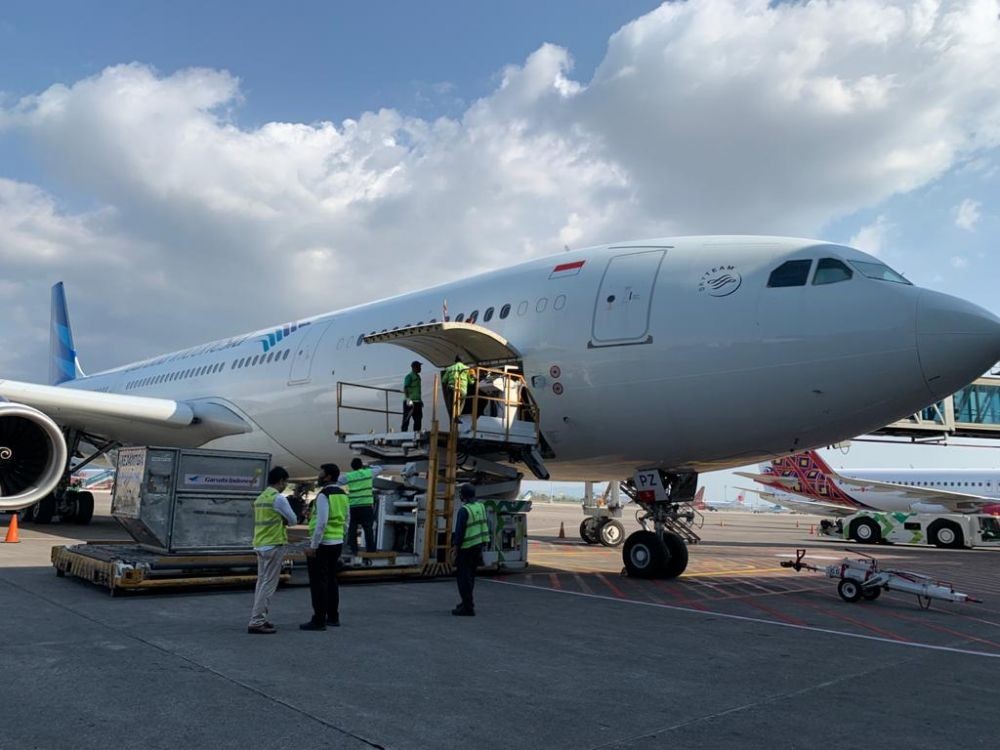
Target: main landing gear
(69, 504)
(659, 550)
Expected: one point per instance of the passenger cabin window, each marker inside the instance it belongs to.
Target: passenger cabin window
(488, 315)
(504, 311)
(473, 316)
(460, 317)
(879, 272)
(790, 273)
(830, 271)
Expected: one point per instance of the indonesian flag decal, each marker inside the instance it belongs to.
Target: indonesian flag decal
(567, 269)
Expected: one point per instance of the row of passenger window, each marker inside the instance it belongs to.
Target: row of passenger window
(541, 305)
(196, 372)
(830, 271)
(945, 484)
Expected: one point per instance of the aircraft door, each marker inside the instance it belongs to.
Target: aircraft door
(303, 351)
(625, 298)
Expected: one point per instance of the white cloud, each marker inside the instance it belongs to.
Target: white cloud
(959, 263)
(967, 214)
(705, 116)
(873, 238)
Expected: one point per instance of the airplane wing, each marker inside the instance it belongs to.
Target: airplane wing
(769, 479)
(129, 419)
(802, 504)
(960, 502)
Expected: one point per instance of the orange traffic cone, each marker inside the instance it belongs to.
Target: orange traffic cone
(12, 536)
(562, 530)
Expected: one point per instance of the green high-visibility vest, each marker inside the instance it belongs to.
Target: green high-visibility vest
(476, 530)
(336, 516)
(268, 525)
(411, 387)
(457, 376)
(359, 486)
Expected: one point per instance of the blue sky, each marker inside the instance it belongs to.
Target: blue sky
(214, 138)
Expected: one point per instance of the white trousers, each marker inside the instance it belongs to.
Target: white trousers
(268, 572)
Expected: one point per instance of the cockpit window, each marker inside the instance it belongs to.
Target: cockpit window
(830, 271)
(879, 271)
(790, 273)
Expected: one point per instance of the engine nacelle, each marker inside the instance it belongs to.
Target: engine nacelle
(32, 456)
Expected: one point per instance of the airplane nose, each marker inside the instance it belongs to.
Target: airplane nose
(957, 341)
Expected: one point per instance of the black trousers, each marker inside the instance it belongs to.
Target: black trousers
(416, 410)
(364, 516)
(466, 562)
(449, 401)
(323, 588)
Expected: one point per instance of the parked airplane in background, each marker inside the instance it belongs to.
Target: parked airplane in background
(808, 480)
(635, 352)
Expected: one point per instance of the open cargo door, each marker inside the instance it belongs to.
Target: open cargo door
(440, 343)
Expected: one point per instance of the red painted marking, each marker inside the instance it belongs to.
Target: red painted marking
(617, 591)
(568, 266)
(853, 621)
(776, 613)
(943, 629)
(677, 596)
(555, 581)
(583, 586)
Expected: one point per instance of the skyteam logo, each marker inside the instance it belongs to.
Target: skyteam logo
(720, 281)
(272, 338)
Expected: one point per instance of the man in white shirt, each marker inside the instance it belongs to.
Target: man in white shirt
(326, 541)
(272, 517)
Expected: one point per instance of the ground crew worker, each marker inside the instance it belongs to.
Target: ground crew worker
(456, 379)
(271, 515)
(361, 497)
(471, 535)
(326, 541)
(413, 399)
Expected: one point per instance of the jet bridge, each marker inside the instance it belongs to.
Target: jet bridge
(972, 412)
(482, 440)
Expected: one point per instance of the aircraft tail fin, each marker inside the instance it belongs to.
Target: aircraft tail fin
(812, 477)
(63, 363)
(699, 499)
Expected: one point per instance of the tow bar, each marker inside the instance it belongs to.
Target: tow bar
(863, 579)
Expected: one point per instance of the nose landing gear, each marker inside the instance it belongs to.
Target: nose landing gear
(659, 550)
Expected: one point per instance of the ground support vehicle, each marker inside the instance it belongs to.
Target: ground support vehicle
(863, 579)
(949, 530)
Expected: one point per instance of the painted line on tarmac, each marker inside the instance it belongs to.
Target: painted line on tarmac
(758, 620)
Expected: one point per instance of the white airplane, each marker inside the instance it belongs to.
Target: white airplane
(806, 479)
(681, 355)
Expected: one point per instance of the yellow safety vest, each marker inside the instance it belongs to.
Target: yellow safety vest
(457, 376)
(476, 530)
(268, 525)
(359, 486)
(336, 516)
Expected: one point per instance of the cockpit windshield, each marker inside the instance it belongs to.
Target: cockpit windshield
(879, 272)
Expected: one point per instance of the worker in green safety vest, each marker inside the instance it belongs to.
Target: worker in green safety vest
(361, 496)
(271, 516)
(413, 400)
(326, 540)
(471, 535)
(455, 382)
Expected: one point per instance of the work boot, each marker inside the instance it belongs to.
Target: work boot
(264, 629)
(461, 611)
(312, 625)
(333, 622)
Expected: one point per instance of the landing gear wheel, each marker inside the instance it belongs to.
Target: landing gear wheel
(849, 590)
(870, 595)
(865, 531)
(611, 533)
(588, 531)
(45, 509)
(644, 554)
(84, 510)
(677, 560)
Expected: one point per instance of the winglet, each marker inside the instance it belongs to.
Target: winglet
(63, 364)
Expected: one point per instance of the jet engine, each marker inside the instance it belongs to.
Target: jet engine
(32, 456)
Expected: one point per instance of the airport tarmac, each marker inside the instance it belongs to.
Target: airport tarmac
(739, 652)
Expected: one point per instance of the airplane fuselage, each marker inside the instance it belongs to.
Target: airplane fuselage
(672, 353)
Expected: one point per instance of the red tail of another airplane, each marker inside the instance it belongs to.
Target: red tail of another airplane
(812, 477)
(699, 499)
